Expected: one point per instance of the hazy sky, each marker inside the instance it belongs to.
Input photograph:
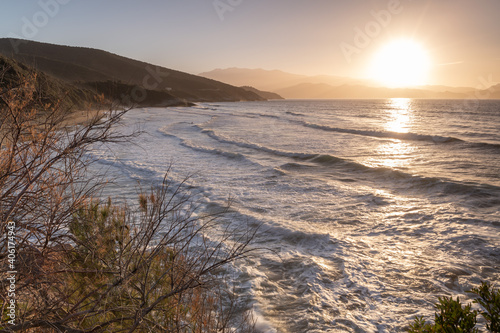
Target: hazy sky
(306, 37)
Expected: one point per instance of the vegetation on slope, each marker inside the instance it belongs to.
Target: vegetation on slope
(263, 94)
(71, 262)
(46, 89)
(85, 66)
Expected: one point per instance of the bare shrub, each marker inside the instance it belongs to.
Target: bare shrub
(84, 265)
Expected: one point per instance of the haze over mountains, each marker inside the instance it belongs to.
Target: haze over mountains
(331, 87)
(271, 80)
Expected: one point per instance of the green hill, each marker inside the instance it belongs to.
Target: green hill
(47, 89)
(263, 94)
(120, 78)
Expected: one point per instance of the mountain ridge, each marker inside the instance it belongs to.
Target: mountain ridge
(270, 80)
(86, 66)
(295, 86)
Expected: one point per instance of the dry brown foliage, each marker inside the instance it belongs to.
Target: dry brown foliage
(89, 266)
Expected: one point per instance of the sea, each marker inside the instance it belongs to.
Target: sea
(367, 210)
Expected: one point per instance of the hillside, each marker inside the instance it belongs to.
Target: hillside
(48, 90)
(263, 94)
(91, 68)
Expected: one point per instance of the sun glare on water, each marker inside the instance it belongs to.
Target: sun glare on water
(400, 115)
(401, 63)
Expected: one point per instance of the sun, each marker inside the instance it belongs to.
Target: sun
(401, 63)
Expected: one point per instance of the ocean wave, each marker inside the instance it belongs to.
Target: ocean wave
(128, 168)
(414, 182)
(254, 146)
(442, 186)
(295, 114)
(263, 115)
(214, 151)
(228, 154)
(437, 139)
(385, 134)
(485, 145)
(322, 159)
(202, 107)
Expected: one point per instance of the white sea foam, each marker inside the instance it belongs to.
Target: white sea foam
(361, 227)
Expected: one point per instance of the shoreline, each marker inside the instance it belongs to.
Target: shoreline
(81, 117)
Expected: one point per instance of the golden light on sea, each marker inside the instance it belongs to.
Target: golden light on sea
(400, 115)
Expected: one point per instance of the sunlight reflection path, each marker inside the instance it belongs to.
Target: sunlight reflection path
(400, 115)
(395, 154)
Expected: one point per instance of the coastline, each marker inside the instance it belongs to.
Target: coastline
(81, 117)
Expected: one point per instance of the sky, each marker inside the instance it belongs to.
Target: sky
(313, 37)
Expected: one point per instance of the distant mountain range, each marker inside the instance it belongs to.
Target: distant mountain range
(331, 87)
(121, 79)
(272, 80)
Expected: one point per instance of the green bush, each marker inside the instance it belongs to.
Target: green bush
(451, 316)
(489, 300)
